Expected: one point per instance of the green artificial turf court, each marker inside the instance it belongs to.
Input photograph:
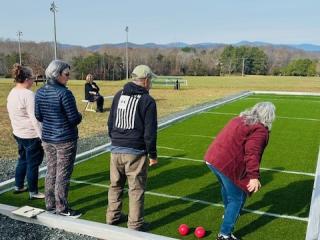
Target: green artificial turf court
(181, 189)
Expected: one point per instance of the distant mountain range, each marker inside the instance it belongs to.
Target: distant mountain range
(304, 46)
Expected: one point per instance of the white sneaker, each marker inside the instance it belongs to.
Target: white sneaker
(38, 195)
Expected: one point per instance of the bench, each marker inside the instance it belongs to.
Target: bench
(90, 104)
(39, 78)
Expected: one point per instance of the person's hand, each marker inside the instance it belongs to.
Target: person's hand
(254, 185)
(152, 162)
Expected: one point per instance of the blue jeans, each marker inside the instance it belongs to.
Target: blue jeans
(30, 157)
(233, 199)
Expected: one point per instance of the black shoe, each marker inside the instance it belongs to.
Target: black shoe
(51, 210)
(123, 218)
(144, 228)
(231, 237)
(70, 213)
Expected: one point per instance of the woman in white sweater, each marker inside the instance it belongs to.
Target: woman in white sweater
(26, 131)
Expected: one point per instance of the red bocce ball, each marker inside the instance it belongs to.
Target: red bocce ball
(200, 232)
(183, 229)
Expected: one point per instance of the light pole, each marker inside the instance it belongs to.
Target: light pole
(243, 62)
(127, 61)
(19, 34)
(53, 9)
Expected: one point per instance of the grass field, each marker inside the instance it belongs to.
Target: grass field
(199, 90)
(181, 189)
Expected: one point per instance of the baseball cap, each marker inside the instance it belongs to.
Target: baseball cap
(142, 71)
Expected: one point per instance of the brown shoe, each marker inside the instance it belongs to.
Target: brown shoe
(144, 228)
(123, 218)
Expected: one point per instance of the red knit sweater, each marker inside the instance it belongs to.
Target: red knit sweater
(237, 151)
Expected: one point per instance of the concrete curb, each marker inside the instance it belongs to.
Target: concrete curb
(80, 226)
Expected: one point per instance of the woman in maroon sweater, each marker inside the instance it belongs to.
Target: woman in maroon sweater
(234, 157)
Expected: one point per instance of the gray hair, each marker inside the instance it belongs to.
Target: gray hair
(263, 112)
(55, 69)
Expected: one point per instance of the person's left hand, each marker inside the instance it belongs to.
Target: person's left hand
(152, 162)
(254, 185)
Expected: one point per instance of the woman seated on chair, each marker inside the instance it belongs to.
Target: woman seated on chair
(92, 93)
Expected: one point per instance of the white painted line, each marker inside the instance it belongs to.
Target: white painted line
(193, 200)
(287, 93)
(205, 108)
(194, 135)
(289, 172)
(175, 149)
(282, 99)
(291, 118)
(9, 184)
(296, 118)
(265, 169)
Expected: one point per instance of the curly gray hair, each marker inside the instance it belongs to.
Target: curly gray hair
(263, 112)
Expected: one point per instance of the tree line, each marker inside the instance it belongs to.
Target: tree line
(109, 63)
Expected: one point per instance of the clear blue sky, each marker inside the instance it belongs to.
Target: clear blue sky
(89, 22)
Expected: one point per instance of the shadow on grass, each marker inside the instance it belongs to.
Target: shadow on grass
(174, 175)
(205, 194)
(94, 178)
(91, 202)
(292, 200)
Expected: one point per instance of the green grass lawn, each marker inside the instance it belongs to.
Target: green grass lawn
(181, 189)
(199, 90)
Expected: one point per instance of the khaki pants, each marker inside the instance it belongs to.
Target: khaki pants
(134, 168)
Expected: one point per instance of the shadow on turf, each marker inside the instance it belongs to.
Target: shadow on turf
(292, 200)
(210, 193)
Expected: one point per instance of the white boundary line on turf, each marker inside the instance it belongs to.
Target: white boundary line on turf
(193, 135)
(265, 169)
(290, 118)
(175, 149)
(43, 170)
(201, 202)
(284, 99)
(287, 93)
(313, 229)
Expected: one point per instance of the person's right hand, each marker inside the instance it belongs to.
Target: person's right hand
(152, 162)
(254, 185)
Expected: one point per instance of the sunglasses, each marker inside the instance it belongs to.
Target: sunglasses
(67, 74)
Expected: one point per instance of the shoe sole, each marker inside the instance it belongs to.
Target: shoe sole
(65, 215)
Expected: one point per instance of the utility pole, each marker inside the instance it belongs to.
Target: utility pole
(230, 64)
(127, 60)
(53, 9)
(243, 59)
(19, 34)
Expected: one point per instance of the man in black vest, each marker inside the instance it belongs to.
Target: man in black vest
(132, 126)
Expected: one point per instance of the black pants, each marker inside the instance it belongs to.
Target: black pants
(100, 100)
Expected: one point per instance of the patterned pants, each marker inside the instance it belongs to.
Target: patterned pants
(134, 168)
(60, 161)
